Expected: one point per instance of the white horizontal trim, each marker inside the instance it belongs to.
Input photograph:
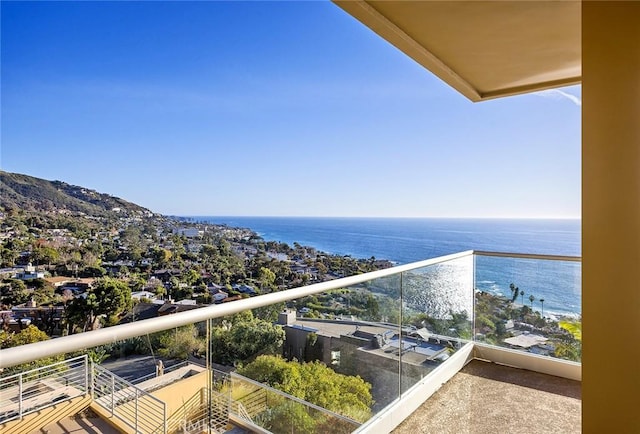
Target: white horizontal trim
(528, 256)
(528, 361)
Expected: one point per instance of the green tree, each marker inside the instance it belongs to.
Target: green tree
(287, 415)
(29, 335)
(314, 382)
(191, 276)
(515, 291)
(208, 250)
(180, 343)
(93, 271)
(108, 298)
(372, 308)
(17, 293)
(244, 339)
(45, 293)
(267, 278)
(573, 327)
(276, 372)
(45, 255)
(568, 351)
(26, 336)
(161, 256)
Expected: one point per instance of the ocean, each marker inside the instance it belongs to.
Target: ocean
(405, 240)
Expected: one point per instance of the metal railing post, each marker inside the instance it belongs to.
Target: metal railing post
(229, 399)
(164, 417)
(86, 375)
(401, 319)
(473, 298)
(113, 392)
(92, 383)
(20, 396)
(136, 411)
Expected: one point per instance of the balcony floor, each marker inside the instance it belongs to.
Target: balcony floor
(486, 398)
(79, 424)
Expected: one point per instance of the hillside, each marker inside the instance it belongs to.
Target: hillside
(34, 194)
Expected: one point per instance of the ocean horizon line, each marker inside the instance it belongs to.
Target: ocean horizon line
(370, 217)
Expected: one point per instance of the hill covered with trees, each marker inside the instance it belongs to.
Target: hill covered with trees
(28, 193)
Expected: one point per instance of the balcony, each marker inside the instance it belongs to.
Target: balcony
(406, 331)
(485, 397)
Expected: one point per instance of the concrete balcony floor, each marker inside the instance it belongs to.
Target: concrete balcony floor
(488, 398)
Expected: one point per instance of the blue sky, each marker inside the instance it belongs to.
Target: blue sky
(268, 108)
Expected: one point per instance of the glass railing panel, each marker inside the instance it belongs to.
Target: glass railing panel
(279, 412)
(153, 382)
(328, 353)
(437, 309)
(532, 304)
(145, 357)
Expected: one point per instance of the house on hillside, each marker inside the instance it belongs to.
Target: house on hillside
(58, 281)
(244, 289)
(169, 308)
(219, 296)
(77, 286)
(29, 272)
(188, 232)
(46, 318)
(138, 295)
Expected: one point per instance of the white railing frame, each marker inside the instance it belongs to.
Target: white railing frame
(41, 368)
(20, 409)
(75, 363)
(138, 393)
(528, 256)
(67, 344)
(243, 413)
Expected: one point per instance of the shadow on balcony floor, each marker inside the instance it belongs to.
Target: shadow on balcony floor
(487, 398)
(79, 424)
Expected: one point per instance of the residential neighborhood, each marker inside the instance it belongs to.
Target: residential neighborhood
(55, 259)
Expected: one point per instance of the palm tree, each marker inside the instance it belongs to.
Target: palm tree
(531, 299)
(542, 305)
(522, 297)
(514, 292)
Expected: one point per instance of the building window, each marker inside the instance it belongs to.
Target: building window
(335, 358)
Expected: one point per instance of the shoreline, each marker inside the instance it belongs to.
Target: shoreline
(380, 241)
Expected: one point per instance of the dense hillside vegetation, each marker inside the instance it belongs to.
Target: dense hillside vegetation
(34, 194)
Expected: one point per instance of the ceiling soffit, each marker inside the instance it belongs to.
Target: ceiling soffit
(484, 49)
